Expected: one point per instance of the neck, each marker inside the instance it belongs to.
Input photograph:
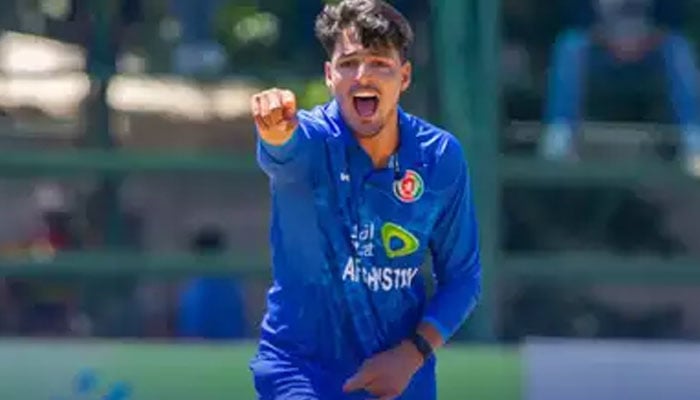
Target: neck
(381, 146)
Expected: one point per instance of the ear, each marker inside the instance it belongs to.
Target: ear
(406, 72)
(328, 74)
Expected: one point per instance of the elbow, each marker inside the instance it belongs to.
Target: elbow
(471, 287)
(477, 283)
(466, 285)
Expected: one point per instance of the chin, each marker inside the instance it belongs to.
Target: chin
(366, 134)
(367, 129)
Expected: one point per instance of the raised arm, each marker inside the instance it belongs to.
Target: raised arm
(281, 149)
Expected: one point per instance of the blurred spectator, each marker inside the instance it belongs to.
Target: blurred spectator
(617, 69)
(101, 28)
(211, 307)
(46, 306)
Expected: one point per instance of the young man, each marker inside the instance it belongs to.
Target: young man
(361, 193)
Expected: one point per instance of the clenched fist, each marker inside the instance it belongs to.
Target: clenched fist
(274, 111)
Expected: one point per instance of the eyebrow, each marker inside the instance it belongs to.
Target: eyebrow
(373, 53)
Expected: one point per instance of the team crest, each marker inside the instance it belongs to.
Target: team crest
(409, 188)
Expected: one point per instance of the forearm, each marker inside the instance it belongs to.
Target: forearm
(286, 161)
(436, 328)
(277, 138)
(431, 334)
(277, 149)
(451, 305)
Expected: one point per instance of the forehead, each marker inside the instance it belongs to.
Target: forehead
(349, 43)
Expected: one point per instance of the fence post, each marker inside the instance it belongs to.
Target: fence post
(102, 55)
(466, 39)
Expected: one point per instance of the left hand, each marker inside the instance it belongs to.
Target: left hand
(387, 374)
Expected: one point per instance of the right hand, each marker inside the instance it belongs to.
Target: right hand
(274, 112)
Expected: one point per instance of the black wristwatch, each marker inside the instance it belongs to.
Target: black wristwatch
(424, 348)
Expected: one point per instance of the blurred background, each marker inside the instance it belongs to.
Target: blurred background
(133, 219)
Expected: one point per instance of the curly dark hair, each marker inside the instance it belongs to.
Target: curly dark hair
(379, 25)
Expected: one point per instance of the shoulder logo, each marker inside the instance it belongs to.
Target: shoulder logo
(397, 241)
(409, 188)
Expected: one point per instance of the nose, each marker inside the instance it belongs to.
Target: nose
(362, 74)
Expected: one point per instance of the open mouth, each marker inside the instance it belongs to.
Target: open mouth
(365, 104)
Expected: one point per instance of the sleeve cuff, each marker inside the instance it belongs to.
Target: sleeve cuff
(444, 333)
(282, 151)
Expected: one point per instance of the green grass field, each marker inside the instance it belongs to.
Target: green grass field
(47, 370)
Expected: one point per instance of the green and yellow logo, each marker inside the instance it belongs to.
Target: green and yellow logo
(397, 241)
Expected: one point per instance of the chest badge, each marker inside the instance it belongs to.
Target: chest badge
(409, 188)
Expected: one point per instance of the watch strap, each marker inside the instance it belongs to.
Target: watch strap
(423, 346)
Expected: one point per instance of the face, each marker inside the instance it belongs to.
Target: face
(367, 83)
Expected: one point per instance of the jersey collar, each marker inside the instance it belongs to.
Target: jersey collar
(408, 151)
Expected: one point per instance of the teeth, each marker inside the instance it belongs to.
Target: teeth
(365, 95)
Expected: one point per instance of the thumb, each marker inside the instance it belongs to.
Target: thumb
(357, 381)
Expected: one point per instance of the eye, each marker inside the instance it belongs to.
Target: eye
(380, 64)
(349, 63)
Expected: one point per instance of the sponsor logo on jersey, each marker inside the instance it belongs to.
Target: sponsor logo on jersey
(397, 241)
(379, 278)
(409, 188)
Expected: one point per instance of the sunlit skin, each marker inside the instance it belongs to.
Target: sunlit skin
(376, 77)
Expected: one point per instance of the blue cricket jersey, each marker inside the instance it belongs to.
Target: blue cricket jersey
(348, 241)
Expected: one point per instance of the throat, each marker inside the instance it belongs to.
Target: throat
(380, 148)
(380, 161)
